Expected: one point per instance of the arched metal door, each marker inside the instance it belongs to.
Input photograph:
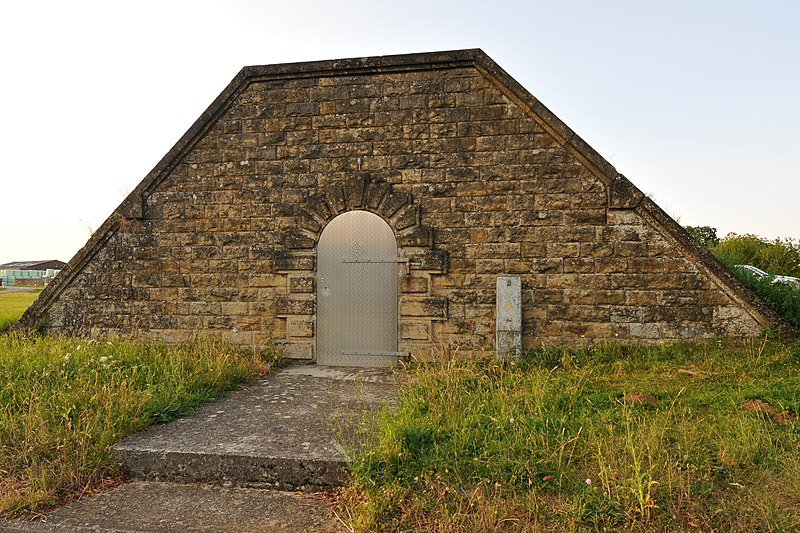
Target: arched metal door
(357, 292)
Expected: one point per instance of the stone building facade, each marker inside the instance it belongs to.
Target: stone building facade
(475, 178)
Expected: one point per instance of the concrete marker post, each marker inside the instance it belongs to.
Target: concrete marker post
(509, 317)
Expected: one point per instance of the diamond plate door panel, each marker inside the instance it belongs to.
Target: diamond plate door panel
(357, 292)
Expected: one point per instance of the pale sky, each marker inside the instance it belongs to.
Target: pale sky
(696, 102)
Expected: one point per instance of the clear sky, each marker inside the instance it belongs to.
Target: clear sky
(697, 102)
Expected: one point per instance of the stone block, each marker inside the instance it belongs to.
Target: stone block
(493, 250)
(644, 331)
(547, 266)
(414, 284)
(435, 261)
(648, 264)
(235, 309)
(354, 192)
(489, 266)
(518, 266)
(622, 194)
(301, 284)
(563, 249)
(293, 305)
(393, 202)
(431, 307)
(658, 313)
(583, 265)
(578, 296)
(336, 199)
(595, 217)
(415, 330)
(611, 264)
(375, 193)
(713, 298)
(300, 326)
(407, 217)
(297, 350)
(419, 236)
(318, 206)
(548, 296)
(588, 313)
(614, 297)
(289, 262)
(146, 280)
(267, 280)
(626, 314)
(306, 221)
(297, 239)
(733, 321)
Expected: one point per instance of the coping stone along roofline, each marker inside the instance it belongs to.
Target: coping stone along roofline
(622, 193)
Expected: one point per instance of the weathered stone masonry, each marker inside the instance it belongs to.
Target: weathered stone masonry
(475, 177)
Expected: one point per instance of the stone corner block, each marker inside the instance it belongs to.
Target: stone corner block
(622, 194)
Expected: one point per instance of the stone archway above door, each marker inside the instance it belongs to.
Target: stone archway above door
(418, 308)
(365, 193)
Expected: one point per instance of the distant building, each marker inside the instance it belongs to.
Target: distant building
(54, 264)
(29, 273)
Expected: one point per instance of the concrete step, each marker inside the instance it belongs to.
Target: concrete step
(149, 507)
(290, 430)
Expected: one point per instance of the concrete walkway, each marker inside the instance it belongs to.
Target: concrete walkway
(248, 462)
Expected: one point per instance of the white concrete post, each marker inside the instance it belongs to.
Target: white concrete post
(508, 337)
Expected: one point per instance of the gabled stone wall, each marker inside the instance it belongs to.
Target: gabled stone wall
(474, 176)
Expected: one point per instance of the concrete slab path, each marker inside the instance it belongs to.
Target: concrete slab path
(290, 432)
(149, 507)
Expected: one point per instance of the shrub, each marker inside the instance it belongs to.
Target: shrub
(777, 257)
(705, 235)
(780, 256)
(782, 297)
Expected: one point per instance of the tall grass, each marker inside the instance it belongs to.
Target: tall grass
(552, 443)
(65, 401)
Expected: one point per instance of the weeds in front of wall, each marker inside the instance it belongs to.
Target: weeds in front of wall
(65, 401)
(555, 442)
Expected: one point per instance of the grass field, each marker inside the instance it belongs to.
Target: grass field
(699, 437)
(695, 437)
(65, 401)
(13, 304)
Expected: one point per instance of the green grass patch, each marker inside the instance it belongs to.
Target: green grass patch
(552, 444)
(12, 305)
(65, 401)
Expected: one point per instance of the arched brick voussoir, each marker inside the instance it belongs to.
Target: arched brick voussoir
(366, 193)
